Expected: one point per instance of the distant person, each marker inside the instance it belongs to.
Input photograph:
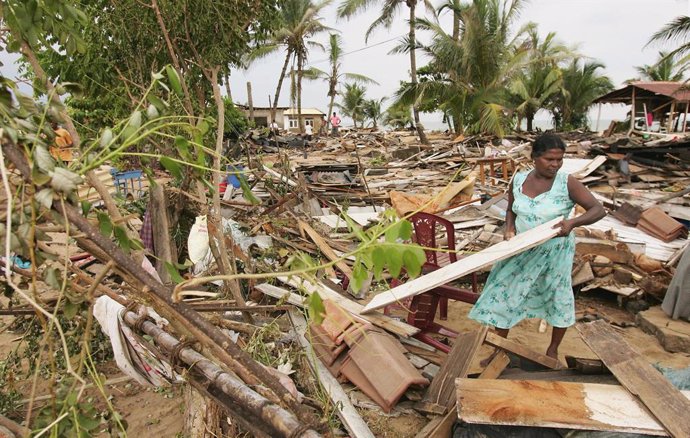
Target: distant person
(322, 126)
(275, 129)
(335, 124)
(308, 131)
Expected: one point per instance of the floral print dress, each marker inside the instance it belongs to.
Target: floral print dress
(535, 283)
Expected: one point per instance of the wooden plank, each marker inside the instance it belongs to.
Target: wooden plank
(165, 248)
(441, 392)
(662, 399)
(468, 265)
(280, 293)
(583, 406)
(325, 248)
(280, 176)
(522, 351)
(378, 319)
(499, 363)
(347, 413)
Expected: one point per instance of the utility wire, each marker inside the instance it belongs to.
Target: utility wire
(360, 49)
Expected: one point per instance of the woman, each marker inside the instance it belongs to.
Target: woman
(537, 283)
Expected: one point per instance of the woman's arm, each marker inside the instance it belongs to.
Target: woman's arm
(510, 216)
(584, 198)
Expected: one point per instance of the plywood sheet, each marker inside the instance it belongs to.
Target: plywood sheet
(468, 265)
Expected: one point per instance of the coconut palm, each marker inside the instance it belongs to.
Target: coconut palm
(398, 116)
(333, 78)
(667, 68)
(472, 74)
(678, 31)
(541, 79)
(581, 85)
(389, 9)
(373, 110)
(353, 102)
(300, 21)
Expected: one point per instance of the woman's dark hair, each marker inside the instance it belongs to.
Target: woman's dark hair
(545, 142)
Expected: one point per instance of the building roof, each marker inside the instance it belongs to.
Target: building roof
(259, 108)
(678, 91)
(305, 112)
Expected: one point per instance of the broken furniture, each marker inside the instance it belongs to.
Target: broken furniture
(422, 308)
(128, 183)
(507, 166)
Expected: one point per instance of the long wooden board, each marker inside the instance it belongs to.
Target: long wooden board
(325, 248)
(378, 319)
(499, 342)
(468, 265)
(584, 406)
(352, 421)
(639, 377)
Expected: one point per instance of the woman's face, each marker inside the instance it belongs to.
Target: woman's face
(548, 163)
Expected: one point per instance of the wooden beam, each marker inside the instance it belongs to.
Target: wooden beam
(499, 363)
(468, 265)
(378, 319)
(280, 293)
(165, 249)
(347, 413)
(582, 406)
(638, 376)
(522, 351)
(325, 248)
(441, 392)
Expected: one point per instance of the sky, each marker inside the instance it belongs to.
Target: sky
(614, 32)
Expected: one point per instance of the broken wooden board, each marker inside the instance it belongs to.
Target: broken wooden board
(583, 406)
(378, 319)
(497, 365)
(615, 251)
(347, 413)
(513, 347)
(325, 248)
(467, 265)
(282, 294)
(662, 399)
(441, 393)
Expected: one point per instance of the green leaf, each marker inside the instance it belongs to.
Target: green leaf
(174, 80)
(70, 309)
(395, 261)
(316, 309)
(122, 238)
(172, 166)
(152, 112)
(104, 224)
(359, 276)
(135, 119)
(64, 181)
(203, 127)
(85, 208)
(174, 273)
(45, 197)
(405, 231)
(413, 266)
(182, 146)
(39, 178)
(43, 159)
(106, 138)
(157, 102)
(378, 256)
(51, 277)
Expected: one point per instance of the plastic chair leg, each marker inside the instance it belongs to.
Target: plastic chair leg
(444, 308)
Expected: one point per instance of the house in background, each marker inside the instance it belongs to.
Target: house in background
(286, 118)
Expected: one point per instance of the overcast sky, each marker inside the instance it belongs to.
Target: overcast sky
(611, 31)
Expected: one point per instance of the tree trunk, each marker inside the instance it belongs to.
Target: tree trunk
(456, 22)
(300, 66)
(228, 91)
(330, 111)
(530, 119)
(413, 72)
(280, 85)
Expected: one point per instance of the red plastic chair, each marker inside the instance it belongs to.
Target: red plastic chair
(422, 308)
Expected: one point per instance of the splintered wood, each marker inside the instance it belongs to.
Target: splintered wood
(663, 400)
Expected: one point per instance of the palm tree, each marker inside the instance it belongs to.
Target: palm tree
(335, 53)
(398, 116)
(677, 30)
(581, 85)
(388, 10)
(300, 21)
(472, 74)
(353, 102)
(665, 69)
(541, 79)
(373, 110)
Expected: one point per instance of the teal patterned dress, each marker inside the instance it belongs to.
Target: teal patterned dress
(535, 283)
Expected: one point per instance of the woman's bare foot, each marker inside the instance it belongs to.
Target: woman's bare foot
(552, 352)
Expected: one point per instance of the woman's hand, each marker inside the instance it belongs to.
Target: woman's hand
(566, 227)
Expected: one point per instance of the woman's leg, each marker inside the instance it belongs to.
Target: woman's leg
(556, 338)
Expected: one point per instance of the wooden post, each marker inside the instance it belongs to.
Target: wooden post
(632, 112)
(165, 250)
(596, 128)
(250, 101)
(669, 123)
(685, 117)
(646, 122)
